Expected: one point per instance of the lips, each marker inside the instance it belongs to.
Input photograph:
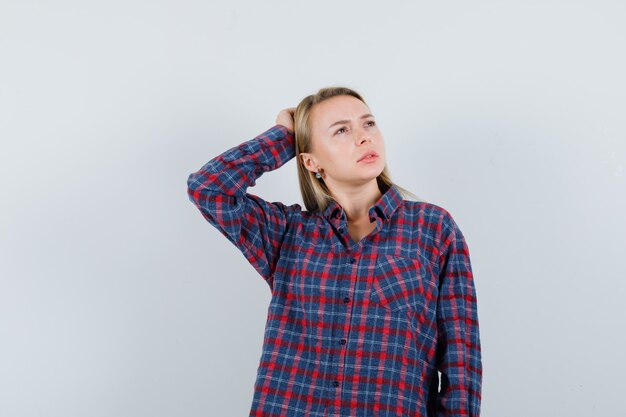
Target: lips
(366, 154)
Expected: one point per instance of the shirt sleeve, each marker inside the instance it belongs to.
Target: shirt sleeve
(458, 355)
(219, 189)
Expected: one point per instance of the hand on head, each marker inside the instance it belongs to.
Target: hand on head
(285, 118)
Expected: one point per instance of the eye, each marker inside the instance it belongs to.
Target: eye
(343, 128)
(372, 122)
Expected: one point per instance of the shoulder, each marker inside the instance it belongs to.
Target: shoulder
(425, 209)
(300, 215)
(437, 220)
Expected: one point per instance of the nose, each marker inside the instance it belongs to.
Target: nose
(362, 134)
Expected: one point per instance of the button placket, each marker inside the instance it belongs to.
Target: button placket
(352, 259)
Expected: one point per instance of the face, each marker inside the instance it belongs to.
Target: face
(343, 128)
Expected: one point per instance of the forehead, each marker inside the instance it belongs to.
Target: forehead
(337, 108)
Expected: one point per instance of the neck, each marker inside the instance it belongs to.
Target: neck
(356, 201)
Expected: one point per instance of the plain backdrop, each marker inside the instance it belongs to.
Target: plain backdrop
(118, 299)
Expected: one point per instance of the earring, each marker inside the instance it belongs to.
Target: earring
(318, 175)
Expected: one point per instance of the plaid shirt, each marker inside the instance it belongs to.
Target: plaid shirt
(353, 328)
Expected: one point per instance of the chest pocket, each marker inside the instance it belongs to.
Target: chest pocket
(400, 283)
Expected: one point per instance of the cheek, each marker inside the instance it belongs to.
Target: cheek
(335, 155)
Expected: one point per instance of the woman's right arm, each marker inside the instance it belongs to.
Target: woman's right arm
(219, 190)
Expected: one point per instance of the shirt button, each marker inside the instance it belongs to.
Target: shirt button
(343, 341)
(340, 230)
(346, 300)
(352, 260)
(336, 383)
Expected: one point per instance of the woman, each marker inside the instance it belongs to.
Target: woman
(373, 298)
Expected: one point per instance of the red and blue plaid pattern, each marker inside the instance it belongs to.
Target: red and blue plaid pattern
(353, 328)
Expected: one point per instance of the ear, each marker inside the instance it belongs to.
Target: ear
(309, 161)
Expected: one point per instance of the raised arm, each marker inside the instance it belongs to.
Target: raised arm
(458, 344)
(219, 189)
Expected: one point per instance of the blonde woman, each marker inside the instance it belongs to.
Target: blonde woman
(373, 309)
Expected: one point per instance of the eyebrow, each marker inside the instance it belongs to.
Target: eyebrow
(348, 121)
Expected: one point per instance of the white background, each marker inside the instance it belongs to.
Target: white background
(118, 299)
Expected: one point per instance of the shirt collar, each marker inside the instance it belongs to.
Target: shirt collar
(383, 208)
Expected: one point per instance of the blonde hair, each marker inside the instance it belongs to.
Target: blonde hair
(314, 191)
